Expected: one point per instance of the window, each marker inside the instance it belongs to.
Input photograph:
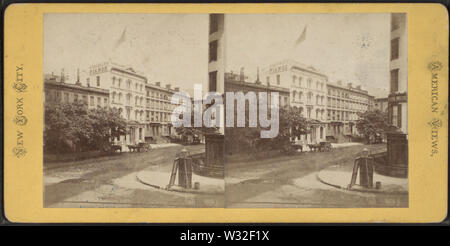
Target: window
(98, 80)
(294, 78)
(213, 23)
(99, 101)
(394, 119)
(213, 81)
(105, 101)
(394, 48)
(213, 51)
(113, 80)
(394, 80)
(87, 82)
(92, 101)
(66, 97)
(278, 79)
(395, 21)
(268, 80)
(75, 97)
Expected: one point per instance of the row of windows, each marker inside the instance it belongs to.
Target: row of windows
(341, 115)
(332, 102)
(67, 97)
(298, 97)
(159, 105)
(129, 84)
(343, 94)
(157, 95)
(117, 98)
(297, 81)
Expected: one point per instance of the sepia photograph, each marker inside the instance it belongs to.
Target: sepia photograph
(225, 110)
(341, 85)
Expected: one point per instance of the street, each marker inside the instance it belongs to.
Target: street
(291, 181)
(111, 182)
(287, 181)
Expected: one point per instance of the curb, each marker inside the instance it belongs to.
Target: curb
(176, 190)
(374, 191)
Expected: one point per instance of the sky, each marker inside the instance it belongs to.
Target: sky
(173, 48)
(348, 47)
(170, 48)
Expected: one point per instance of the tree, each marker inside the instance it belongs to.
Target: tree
(74, 128)
(291, 123)
(107, 124)
(372, 123)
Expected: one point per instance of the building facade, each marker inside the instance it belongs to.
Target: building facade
(56, 90)
(397, 99)
(236, 140)
(344, 103)
(127, 93)
(307, 88)
(158, 110)
(381, 104)
(397, 137)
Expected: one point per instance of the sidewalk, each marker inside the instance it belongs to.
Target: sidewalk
(340, 176)
(160, 179)
(342, 145)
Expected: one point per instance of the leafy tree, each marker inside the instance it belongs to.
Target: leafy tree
(107, 124)
(372, 123)
(291, 123)
(74, 128)
(67, 127)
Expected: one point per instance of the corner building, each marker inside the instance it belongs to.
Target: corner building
(307, 87)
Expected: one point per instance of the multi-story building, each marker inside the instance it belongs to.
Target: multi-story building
(344, 102)
(236, 139)
(214, 143)
(398, 103)
(158, 110)
(307, 88)
(127, 93)
(56, 90)
(381, 104)
(397, 138)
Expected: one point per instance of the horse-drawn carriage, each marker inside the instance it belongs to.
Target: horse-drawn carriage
(139, 147)
(322, 146)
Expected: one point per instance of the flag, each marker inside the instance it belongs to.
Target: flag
(122, 38)
(302, 37)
